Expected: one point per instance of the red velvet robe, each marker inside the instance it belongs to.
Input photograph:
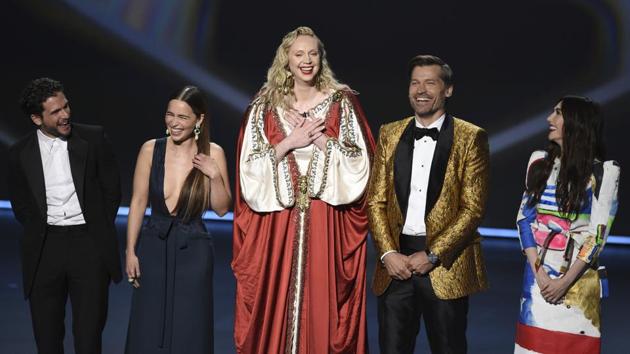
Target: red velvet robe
(332, 316)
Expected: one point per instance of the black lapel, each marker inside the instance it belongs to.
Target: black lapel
(77, 152)
(31, 159)
(440, 161)
(403, 161)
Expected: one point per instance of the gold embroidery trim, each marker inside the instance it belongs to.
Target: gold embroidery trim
(349, 148)
(261, 148)
(296, 285)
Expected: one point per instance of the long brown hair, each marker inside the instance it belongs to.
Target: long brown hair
(582, 145)
(194, 197)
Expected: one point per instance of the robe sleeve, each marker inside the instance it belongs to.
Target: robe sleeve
(340, 174)
(265, 183)
(603, 210)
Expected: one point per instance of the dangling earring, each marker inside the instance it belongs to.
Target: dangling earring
(319, 81)
(197, 131)
(288, 84)
(168, 132)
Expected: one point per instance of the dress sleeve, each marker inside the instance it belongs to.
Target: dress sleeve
(603, 210)
(526, 213)
(340, 174)
(265, 183)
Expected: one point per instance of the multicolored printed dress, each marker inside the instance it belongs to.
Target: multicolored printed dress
(560, 239)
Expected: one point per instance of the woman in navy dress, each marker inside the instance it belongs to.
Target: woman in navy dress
(169, 260)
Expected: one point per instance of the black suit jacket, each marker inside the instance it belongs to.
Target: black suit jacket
(97, 183)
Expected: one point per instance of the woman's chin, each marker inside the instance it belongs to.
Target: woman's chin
(178, 139)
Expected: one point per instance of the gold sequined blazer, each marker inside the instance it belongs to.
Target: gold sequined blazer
(456, 197)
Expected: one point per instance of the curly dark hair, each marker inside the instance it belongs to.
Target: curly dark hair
(36, 92)
(582, 145)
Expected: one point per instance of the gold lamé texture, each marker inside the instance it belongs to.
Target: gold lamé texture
(453, 221)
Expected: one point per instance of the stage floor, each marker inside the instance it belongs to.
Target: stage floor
(492, 315)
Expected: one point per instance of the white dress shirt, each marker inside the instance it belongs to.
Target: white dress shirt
(63, 206)
(423, 150)
(422, 160)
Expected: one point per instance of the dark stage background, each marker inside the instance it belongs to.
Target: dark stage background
(120, 59)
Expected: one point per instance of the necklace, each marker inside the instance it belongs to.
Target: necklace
(311, 112)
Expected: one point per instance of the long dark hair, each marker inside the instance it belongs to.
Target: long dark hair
(194, 197)
(582, 145)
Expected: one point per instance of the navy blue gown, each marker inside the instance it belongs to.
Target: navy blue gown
(171, 311)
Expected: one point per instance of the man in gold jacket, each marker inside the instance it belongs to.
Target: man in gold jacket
(426, 198)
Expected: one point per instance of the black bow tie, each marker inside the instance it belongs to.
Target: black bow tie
(419, 133)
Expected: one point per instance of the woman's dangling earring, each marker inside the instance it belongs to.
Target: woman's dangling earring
(168, 132)
(319, 81)
(288, 83)
(197, 131)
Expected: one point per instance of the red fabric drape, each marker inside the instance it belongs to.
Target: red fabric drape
(333, 318)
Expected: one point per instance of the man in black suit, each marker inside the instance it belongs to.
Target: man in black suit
(65, 190)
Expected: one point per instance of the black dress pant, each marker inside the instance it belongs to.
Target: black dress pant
(405, 302)
(70, 266)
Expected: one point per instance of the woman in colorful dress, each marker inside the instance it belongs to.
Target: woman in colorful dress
(300, 225)
(170, 258)
(564, 219)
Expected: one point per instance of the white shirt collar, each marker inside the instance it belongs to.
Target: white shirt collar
(437, 124)
(45, 140)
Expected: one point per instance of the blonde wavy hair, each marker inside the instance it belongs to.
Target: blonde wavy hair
(279, 86)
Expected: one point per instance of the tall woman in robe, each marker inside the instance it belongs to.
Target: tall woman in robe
(300, 225)
(564, 220)
(170, 258)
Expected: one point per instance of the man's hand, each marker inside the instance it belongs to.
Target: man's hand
(419, 263)
(397, 266)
